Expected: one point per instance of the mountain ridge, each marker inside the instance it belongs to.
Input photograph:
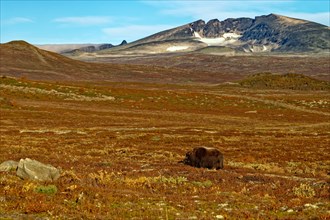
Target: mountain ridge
(265, 33)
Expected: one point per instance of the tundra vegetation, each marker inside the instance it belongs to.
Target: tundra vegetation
(118, 147)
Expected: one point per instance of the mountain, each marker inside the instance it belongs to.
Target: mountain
(267, 33)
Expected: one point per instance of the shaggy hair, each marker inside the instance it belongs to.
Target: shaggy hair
(204, 157)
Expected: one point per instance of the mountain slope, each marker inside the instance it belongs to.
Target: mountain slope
(287, 34)
(25, 55)
(268, 33)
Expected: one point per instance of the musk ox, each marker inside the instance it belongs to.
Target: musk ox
(204, 157)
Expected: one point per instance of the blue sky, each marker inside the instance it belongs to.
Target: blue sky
(50, 21)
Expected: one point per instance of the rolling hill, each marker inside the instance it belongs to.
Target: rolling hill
(21, 59)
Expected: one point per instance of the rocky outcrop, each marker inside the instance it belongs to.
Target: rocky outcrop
(198, 26)
(213, 28)
(8, 165)
(35, 170)
(288, 34)
(124, 42)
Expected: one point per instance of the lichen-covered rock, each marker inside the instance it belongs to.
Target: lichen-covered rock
(8, 165)
(34, 170)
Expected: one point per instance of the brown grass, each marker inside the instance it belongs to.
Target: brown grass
(119, 158)
(219, 69)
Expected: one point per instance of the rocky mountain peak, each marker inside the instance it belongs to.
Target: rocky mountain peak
(198, 25)
(213, 28)
(124, 42)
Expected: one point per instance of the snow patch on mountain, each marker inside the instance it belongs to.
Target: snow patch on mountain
(225, 39)
(176, 48)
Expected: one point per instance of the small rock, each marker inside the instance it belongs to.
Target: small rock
(240, 177)
(289, 211)
(219, 217)
(222, 205)
(251, 112)
(34, 170)
(308, 205)
(284, 208)
(8, 165)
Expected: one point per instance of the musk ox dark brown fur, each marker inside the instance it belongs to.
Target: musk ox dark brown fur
(207, 157)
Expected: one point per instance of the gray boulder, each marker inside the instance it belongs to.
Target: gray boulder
(34, 170)
(8, 165)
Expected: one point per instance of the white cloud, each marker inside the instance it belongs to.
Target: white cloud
(86, 20)
(16, 20)
(133, 32)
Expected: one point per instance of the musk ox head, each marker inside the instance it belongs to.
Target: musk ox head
(210, 158)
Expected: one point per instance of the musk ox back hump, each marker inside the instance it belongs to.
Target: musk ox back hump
(204, 157)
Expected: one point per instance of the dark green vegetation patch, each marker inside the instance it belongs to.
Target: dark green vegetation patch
(287, 81)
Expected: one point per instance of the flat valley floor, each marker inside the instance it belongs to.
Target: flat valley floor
(118, 146)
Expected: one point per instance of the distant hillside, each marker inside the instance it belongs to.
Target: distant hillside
(286, 81)
(61, 48)
(77, 48)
